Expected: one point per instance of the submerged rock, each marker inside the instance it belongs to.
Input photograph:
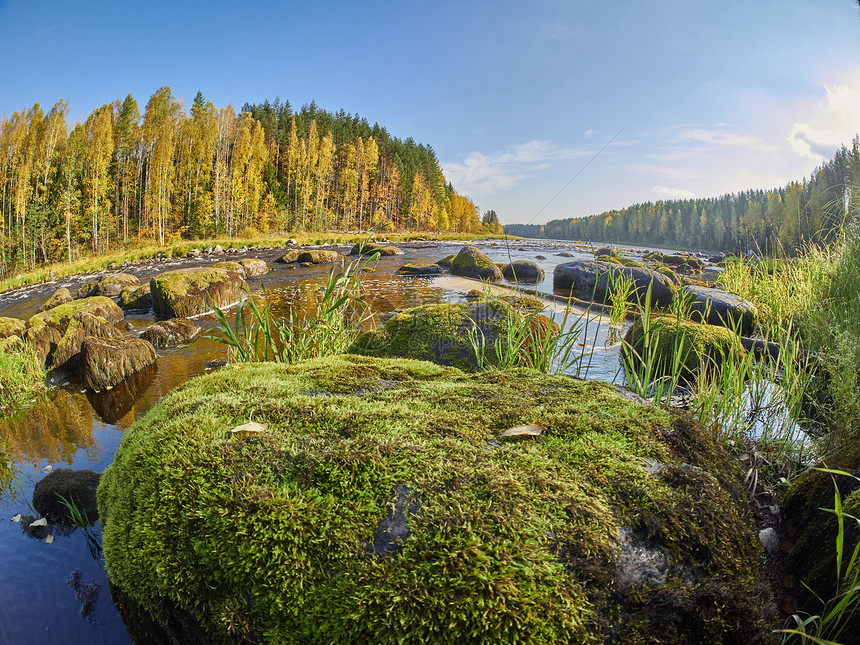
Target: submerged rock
(420, 269)
(376, 488)
(75, 486)
(190, 292)
(167, 333)
(471, 263)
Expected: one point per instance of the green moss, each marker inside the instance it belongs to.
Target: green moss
(671, 335)
(281, 533)
(61, 314)
(438, 332)
(445, 262)
(11, 327)
(190, 292)
(229, 265)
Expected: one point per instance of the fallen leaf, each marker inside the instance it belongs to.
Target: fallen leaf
(17, 518)
(49, 539)
(40, 522)
(531, 430)
(248, 429)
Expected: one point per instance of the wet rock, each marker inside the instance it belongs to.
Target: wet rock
(289, 256)
(60, 297)
(106, 362)
(113, 404)
(66, 356)
(230, 265)
(420, 269)
(87, 594)
(523, 271)
(168, 333)
(717, 307)
(77, 486)
(591, 280)
(445, 262)
(190, 292)
(471, 263)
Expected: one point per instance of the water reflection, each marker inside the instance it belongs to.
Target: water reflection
(53, 429)
(114, 404)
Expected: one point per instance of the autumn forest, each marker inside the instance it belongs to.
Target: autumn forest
(123, 178)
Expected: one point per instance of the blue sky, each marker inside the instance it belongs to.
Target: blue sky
(698, 97)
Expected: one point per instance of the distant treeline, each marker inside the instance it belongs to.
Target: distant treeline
(122, 177)
(774, 221)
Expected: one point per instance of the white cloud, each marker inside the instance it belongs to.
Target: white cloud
(720, 137)
(831, 124)
(482, 175)
(664, 192)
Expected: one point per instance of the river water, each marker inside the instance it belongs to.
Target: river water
(72, 428)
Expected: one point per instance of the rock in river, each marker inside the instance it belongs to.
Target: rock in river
(190, 292)
(371, 498)
(106, 362)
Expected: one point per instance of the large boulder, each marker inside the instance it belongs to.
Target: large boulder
(83, 325)
(168, 333)
(230, 265)
(596, 280)
(60, 297)
(672, 339)
(321, 256)
(471, 263)
(254, 267)
(108, 361)
(523, 271)
(112, 285)
(717, 307)
(77, 487)
(374, 501)
(448, 333)
(290, 256)
(190, 292)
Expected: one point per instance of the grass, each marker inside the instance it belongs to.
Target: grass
(22, 377)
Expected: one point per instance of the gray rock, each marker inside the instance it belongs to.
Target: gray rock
(591, 280)
(523, 271)
(717, 307)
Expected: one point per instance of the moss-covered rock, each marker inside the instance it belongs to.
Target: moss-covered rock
(108, 361)
(321, 256)
(112, 285)
(190, 292)
(11, 327)
(60, 297)
(75, 486)
(419, 269)
(83, 325)
(443, 333)
(136, 298)
(168, 333)
(230, 265)
(471, 263)
(445, 262)
(375, 504)
(97, 305)
(289, 256)
(671, 336)
(254, 267)
(384, 251)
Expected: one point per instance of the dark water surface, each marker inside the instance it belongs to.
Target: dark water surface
(71, 428)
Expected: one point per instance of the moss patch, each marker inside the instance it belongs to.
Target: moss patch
(11, 327)
(472, 263)
(190, 292)
(377, 506)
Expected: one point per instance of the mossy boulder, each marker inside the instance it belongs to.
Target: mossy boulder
(136, 298)
(168, 333)
(60, 297)
(420, 269)
(254, 267)
(374, 503)
(75, 486)
(230, 265)
(472, 263)
(384, 251)
(11, 327)
(190, 292)
(97, 305)
(523, 271)
(113, 284)
(321, 256)
(105, 362)
(692, 342)
(289, 256)
(66, 356)
(443, 333)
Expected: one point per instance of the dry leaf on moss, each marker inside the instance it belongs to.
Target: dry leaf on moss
(248, 429)
(530, 430)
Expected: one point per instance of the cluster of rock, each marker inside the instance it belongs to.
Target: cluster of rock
(80, 333)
